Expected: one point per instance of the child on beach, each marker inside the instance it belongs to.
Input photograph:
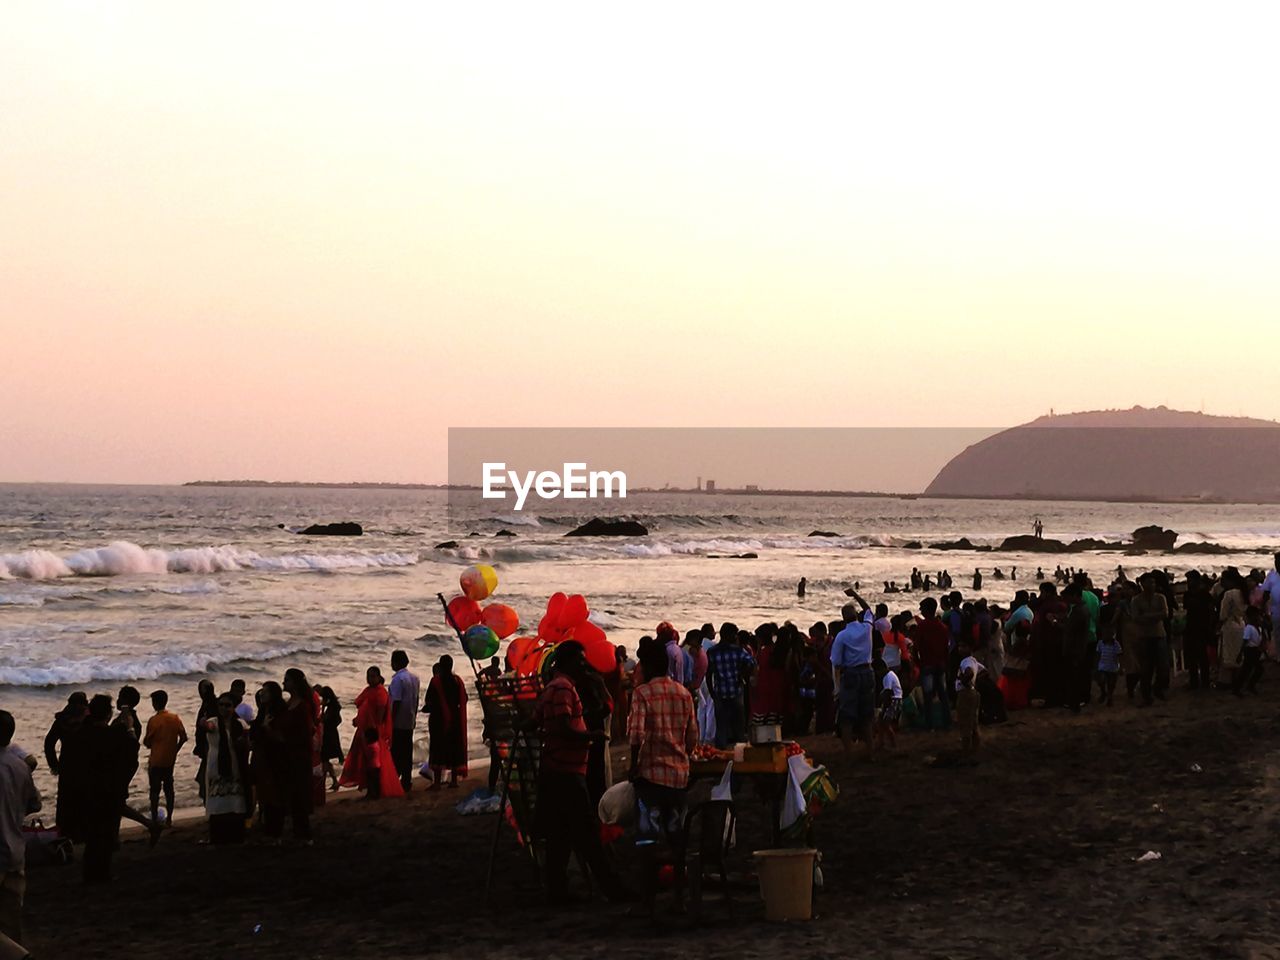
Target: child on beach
(968, 702)
(372, 764)
(889, 712)
(1250, 654)
(1108, 666)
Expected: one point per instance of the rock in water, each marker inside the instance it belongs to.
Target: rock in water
(344, 529)
(504, 533)
(1154, 538)
(823, 533)
(447, 545)
(961, 544)
(609, 528)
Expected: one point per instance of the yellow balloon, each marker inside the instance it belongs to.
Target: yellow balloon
(479, 581)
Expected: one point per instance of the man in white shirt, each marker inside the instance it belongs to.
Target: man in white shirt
(18, 797)
(406, 694)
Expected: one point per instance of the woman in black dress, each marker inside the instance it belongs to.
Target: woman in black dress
(331, 745)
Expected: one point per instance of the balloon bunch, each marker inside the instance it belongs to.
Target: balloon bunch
(482, 627)
(565, 619)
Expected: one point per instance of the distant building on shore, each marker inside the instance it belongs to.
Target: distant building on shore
(711, 486)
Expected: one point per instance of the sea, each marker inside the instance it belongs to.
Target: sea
(159, 586)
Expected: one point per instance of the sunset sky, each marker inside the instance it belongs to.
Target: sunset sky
(301, 241)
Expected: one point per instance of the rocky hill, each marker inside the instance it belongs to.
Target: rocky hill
(1138, 454)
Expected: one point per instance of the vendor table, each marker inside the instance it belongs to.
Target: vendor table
(764, 766)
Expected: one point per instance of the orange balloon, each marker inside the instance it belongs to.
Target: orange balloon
(517, 650)
(465, 612)
(554, 605)
(501, 619)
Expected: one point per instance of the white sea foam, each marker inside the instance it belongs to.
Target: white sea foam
(90, 669)
(123, 557)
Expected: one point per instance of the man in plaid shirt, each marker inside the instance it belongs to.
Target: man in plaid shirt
(729, 667)
(663, 727)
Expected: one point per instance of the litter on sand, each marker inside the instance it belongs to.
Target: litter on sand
(1148, 857)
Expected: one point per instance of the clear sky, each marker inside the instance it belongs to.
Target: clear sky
(300, 241)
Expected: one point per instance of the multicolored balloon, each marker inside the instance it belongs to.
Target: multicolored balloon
(480, 642)
(479, 581)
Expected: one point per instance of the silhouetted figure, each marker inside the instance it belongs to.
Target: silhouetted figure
(977, 579)
(65, 723)
(97, 764)
(804, 581)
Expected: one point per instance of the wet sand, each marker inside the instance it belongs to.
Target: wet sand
(1029, 853)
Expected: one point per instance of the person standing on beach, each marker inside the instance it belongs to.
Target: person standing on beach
(1271, 590)
(564, 814)
(406, 693)
(297, 731)
(933, 644)
(65, 724)
(18, 798)
(208, 709)
(98, 763)
(164, 737)
(855, 678)
(728, 669)
(446, 705)
(226, 791)
(1198, 631)
(1150, 613)
(244, 709)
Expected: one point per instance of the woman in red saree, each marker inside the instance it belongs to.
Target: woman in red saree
(446, 705)
(373, 711)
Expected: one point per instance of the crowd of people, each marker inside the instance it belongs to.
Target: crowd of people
(950, 662)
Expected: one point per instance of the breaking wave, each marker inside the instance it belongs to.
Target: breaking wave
(110, 668)
(122, 557)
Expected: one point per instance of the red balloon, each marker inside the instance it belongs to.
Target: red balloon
(587, 633)
(517, 650)
(554, 605)
(465, 613)
(548, 631)
(573, 613)
(501, 619)
(601, 656)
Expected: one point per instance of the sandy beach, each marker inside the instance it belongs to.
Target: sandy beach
(1031, 852)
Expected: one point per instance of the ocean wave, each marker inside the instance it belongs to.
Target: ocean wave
(122, 557)
(104, 668)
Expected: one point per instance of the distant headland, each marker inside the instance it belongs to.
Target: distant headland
(1139, 455)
